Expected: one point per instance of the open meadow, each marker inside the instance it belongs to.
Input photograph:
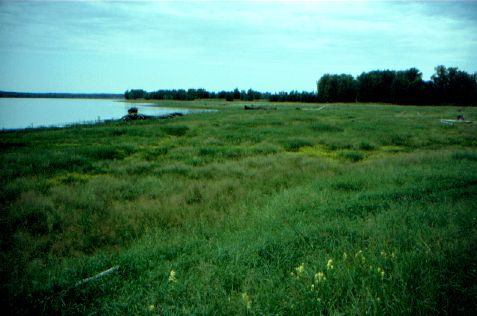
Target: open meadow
(299, 209)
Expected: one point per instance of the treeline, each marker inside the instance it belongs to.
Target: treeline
(294, 96)
(447, 86)
(7, 94)
(236, 94)
(193, 94)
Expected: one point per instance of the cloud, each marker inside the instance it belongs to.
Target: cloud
(303, 38)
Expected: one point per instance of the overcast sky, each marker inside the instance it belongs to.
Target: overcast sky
(110, 46)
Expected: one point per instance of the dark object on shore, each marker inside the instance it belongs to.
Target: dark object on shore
(136, 116)
(169, 115)
(460, 118)
(249, 107)
(133, 110)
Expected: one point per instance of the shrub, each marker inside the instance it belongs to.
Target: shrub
(352, 155)
(366, 146)
(467, 155)
(296, 144)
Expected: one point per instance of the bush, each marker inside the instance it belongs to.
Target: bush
(296, 144)
(352, 155)
(366, 146)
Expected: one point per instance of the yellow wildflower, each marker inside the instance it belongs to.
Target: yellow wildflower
(329, 265)
(319, 276)
(151, 307)
(298, 271)
(172, 276)
(246, 300)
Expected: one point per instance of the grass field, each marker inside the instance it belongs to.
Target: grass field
(348, 209)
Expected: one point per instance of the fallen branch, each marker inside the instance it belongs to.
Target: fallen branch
(313, 109)
(97, 276)
(258, 107)
(452, 122)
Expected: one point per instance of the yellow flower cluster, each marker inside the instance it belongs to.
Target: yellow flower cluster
(319, 276)
(246, 300)
(329, 264)
(298, 271)
(172, 276)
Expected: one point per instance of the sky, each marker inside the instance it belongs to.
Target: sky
(112, 46)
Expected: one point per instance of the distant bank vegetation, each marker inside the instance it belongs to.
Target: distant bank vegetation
(447, 86)
(236, 94)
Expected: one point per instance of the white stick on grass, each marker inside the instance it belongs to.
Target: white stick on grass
(97, 276)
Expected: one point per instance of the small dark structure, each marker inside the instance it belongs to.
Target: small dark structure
(136, 116)
(133, 110)
(460, 117)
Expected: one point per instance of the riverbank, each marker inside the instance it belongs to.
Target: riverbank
(353, 209)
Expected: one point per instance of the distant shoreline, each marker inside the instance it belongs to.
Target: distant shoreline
(59, 95)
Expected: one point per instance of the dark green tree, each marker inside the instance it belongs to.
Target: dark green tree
(407, 87)
(135, 94)
(453, 86)
(337, 88)
(375, 86)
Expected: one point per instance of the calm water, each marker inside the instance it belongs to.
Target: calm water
(22, 113)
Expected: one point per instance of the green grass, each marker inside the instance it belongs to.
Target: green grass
(351, 209)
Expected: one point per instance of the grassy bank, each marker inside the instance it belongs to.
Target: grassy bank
(301, 210)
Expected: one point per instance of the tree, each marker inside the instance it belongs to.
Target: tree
(229, 96)
(236, 94)
(375, 86)
(135, 94)
(454, 86)
(407, 87)
(337, 88)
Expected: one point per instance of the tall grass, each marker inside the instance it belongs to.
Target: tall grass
(352, 209)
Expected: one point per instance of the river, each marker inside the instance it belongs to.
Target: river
(19, 113)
